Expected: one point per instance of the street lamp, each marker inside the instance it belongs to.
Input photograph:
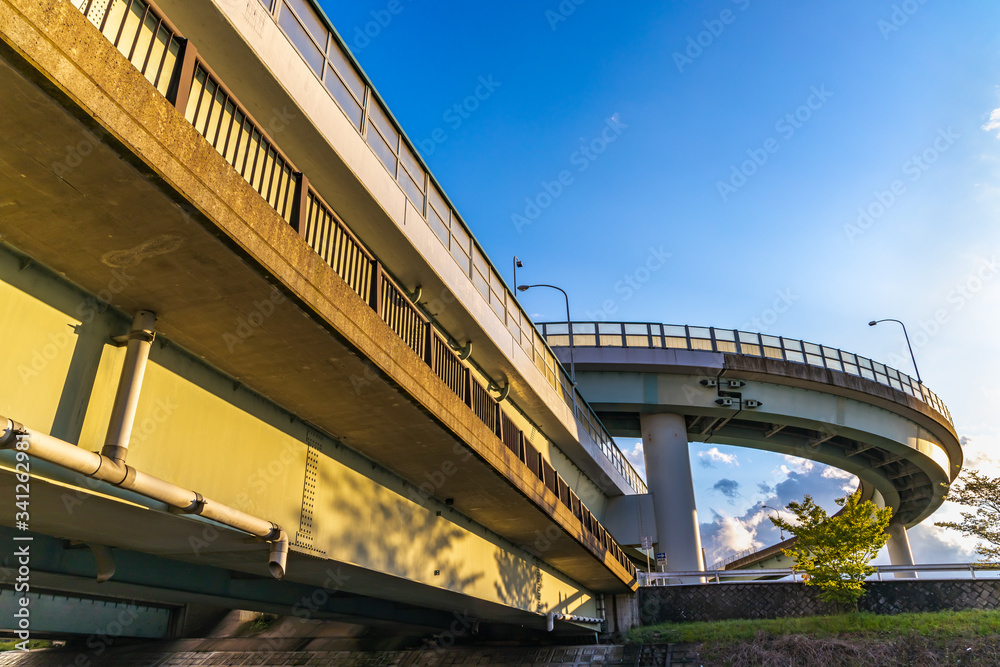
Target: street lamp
(912, 358)
(569, 329)
(518, 264)
(778, 512)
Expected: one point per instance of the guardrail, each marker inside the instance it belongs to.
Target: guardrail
(171, 63)
(732, 558)
(219, 117)
(733, 341)
(141, 34)
(776, 575)
(317, 41)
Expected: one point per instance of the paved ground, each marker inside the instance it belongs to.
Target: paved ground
(639, 656)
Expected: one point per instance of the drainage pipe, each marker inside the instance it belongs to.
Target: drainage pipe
(43, 446)
(140, 340)
(552, 617)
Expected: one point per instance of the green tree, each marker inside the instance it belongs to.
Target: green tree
(835, 552)
(982, 492)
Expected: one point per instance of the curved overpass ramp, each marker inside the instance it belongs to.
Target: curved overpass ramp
(674, 384)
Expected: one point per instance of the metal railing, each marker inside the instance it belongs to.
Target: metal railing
(776, 575)
(141, 34)
(732, 558)
(224, 123)
(322, 48)
(732, 341)
(218, 117)
(336, 244)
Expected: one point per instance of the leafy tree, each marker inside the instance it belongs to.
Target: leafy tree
(835, 552)
(982, 492)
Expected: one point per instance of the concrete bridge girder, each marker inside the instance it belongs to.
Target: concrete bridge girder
(394, 540)
(824, 425)
(903, 451)
(241, 296)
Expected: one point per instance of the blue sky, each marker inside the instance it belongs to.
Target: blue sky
(840, 157)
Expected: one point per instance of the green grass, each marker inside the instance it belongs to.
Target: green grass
(966, 638)
(939, 626)
(10, 644)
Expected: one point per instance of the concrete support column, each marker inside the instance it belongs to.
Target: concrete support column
(899, 549)
(668, 475)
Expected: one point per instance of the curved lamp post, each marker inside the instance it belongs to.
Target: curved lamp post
(778, 512)
(569, 330)
(912, 358)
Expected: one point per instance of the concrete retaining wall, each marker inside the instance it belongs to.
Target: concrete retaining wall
(715, 602)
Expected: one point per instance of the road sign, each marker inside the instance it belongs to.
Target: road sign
(647, 542)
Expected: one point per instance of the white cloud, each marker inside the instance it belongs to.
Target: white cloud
(729, 535)
(981, 452)
(994, 122)
(635, 457)
(850, 480)
(932, 544)
(713, 456)
(795, 465)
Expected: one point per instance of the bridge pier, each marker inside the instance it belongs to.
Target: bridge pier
(899, 550)
(668, 475)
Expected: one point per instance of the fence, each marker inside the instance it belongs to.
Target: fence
(141, 34)
(135, 27)
(731, 341)
(685, 578)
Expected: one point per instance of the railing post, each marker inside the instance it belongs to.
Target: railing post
(300, 204)
(468, 386)
(180, 88)
(429, 356)
(497, 422)
(375, 294)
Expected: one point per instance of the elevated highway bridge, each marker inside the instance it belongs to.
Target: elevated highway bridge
(292, 359)
(254, 358)
(671, 384)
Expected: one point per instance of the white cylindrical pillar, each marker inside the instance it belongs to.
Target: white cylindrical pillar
(899, 549)
(668, 475)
